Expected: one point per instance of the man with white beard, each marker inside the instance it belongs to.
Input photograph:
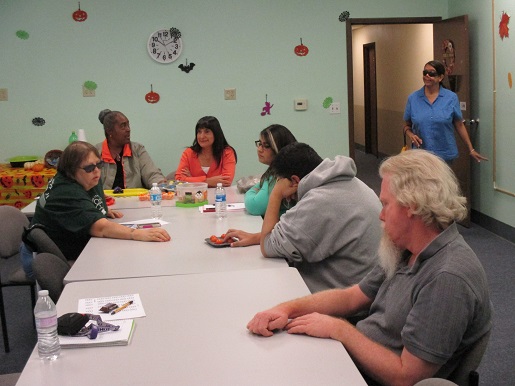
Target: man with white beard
(427, 298)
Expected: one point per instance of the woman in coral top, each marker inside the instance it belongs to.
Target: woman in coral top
(210, 159)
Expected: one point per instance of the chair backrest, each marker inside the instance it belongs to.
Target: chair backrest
(435, 382)
(40, 242)
(12, 224)
(470, 361)
(50, 271)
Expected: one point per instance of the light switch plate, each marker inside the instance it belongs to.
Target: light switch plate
(334, 108)
(300, 104)
(230, 94)
(87, 93)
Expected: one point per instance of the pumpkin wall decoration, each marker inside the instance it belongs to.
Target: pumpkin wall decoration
(80, 15)
(152, 97)
(301, 49)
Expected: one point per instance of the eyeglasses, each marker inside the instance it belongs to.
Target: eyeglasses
(432, 74)
(90, 168)
(264, 145)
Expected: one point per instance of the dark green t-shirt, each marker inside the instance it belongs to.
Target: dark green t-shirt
(67, 212)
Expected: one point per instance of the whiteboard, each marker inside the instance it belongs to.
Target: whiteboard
(504, 97)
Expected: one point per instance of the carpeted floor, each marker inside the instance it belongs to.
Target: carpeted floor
(496, 254)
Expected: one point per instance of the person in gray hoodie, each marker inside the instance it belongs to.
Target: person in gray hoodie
(332, 234)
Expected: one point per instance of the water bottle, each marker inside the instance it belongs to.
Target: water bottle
(155, 201)
(73, 137)
(45, 314)
(220, 201)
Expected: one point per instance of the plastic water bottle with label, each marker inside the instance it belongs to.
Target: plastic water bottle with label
(220, 201)
(155, 201)
(45, 314)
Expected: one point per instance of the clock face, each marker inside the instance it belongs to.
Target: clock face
(163, 47)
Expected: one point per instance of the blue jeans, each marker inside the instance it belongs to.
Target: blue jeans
(26, 260)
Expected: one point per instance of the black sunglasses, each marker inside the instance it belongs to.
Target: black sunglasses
(90, 168)
(259, 143)
(432, 74)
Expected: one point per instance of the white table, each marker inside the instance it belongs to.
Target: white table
(134, 202)
(186, 253)
(195, 334)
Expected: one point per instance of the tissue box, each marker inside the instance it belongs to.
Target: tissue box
(191, 194)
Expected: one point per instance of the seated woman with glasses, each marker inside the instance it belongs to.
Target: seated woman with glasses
(271, 140)
(126, 164)
(210, 159)
(73, 207)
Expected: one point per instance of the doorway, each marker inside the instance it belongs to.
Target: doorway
(369, 70)
(381, 122)
(350, 25)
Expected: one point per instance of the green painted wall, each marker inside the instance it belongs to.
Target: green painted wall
(246, 44)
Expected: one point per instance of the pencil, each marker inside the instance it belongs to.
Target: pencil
(122, 307)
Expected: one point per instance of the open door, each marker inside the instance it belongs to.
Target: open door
(370, 91)
(451, 47)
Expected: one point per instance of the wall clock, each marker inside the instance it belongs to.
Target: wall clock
(164, 46)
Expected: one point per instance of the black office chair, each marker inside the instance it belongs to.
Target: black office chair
(12, 224)
(465, 374)
(50, 266)
(50, 271)
(435, 382)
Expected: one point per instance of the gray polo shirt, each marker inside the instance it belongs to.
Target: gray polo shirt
(437, 308)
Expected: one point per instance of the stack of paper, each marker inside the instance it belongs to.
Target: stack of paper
(123, 318)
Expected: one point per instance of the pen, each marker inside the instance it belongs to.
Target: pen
(122, 307)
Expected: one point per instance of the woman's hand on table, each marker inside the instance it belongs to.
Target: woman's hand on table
(151, 234)
(114, 214)
(244, 238)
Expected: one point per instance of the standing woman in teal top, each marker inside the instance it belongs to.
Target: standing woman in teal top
(271, 140)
